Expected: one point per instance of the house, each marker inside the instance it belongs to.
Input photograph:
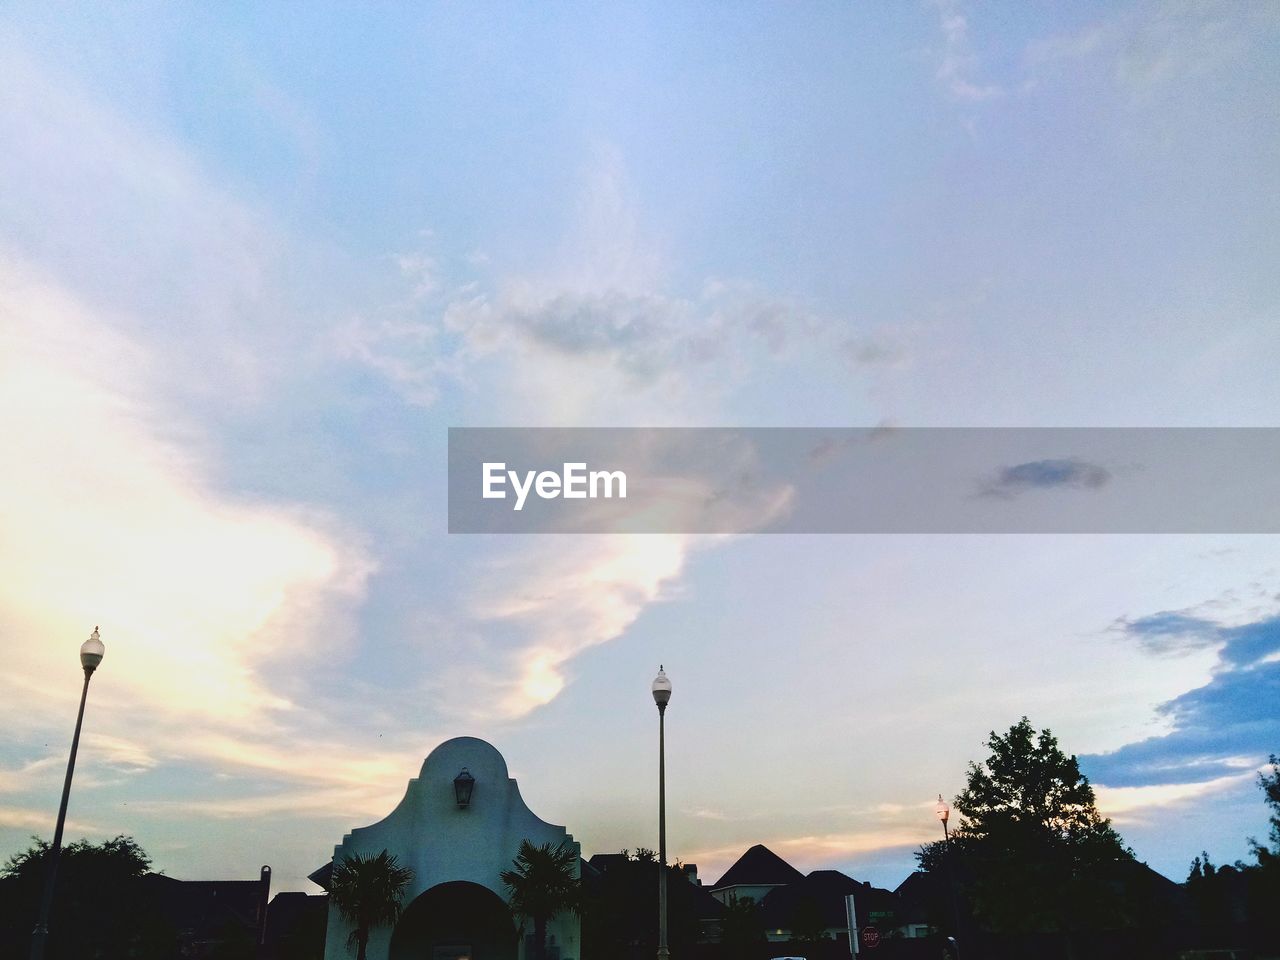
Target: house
(296, 924)
(795, 908)
(815, 907)
(621, 918)
(459, 825)
(754, 875)
(210, 916)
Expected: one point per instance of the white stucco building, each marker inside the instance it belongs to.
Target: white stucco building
(455, 906)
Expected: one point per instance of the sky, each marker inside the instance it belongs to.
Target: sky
(255, 260)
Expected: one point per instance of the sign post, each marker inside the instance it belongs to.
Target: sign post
(851, 915)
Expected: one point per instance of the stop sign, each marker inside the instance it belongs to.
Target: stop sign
(870, 937)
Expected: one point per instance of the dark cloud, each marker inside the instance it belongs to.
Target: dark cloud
(598, 324)
(866, 352)
(646, 336)
(1046, 474)
(1231, 717)
(1171, 632)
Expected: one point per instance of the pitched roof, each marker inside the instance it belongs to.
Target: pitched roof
(825, 890)
(293, 919)
(205, 907)
(320, 875)
(759, 866)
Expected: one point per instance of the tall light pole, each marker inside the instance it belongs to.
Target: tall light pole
(91, 652)
(943, 809)
(662, 694)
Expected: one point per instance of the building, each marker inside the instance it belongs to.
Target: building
(754, 875)
(209, 916)
(826, 905)
(460, 825)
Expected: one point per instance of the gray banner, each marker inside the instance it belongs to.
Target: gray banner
(864, 480)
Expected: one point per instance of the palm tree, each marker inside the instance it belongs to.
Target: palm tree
(542, 884)
(368, 892)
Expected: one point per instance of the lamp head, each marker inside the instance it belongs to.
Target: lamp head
(91, 652)
(661, 688)
(463, 784)
(943, 809)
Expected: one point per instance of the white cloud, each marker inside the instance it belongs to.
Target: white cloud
(199, 594)
(40, 821)
(1135, 805)
(959, 66)
(563, 601)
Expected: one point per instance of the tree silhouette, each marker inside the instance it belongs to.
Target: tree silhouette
(542, 884)
(368, 892)
(1269, 783)
(1031, 850)
(99, 907)
(741, 927)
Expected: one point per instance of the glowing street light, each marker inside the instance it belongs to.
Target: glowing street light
(91, 652)
(943, 810)
(661, 695)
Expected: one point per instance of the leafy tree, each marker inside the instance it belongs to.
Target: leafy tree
(741, 927)
(369, 893)
(1211, 891)
(620, 908)
(98, 906)
(1031, 850)
(807, 924)
(1269, 783)
(543, 884)
(1236, 903)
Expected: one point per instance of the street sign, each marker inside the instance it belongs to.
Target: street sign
(870, 937)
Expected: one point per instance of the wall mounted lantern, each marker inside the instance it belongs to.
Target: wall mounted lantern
(463, 784)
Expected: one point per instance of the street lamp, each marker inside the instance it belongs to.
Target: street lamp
(662, 694)
(91, 652)
(943, 810)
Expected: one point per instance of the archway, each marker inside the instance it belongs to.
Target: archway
(455, 921)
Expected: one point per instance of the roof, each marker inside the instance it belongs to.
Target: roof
(633, 882)
(920, 893)
(825, 890)
(759, 866)
(320, 875)
(205, 907)
(294, 920)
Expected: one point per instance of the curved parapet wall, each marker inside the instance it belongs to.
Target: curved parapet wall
(444, 843)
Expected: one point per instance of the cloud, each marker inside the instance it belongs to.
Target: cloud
(1137, 805)
(160, 297)
(1184, 41)
(201, 595)
(598, 319)
(560, 602)
(649, 337)
(867, 351)
(1171, 632)
(1216, 730)
(1156, 49)
(134, 223)
(959, 65)
(38, 822)
(1046, 475)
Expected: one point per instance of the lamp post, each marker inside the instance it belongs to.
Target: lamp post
(91, 652)
(943, 810)
(662, 694)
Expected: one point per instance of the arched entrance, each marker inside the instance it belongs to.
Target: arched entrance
(455, 921)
